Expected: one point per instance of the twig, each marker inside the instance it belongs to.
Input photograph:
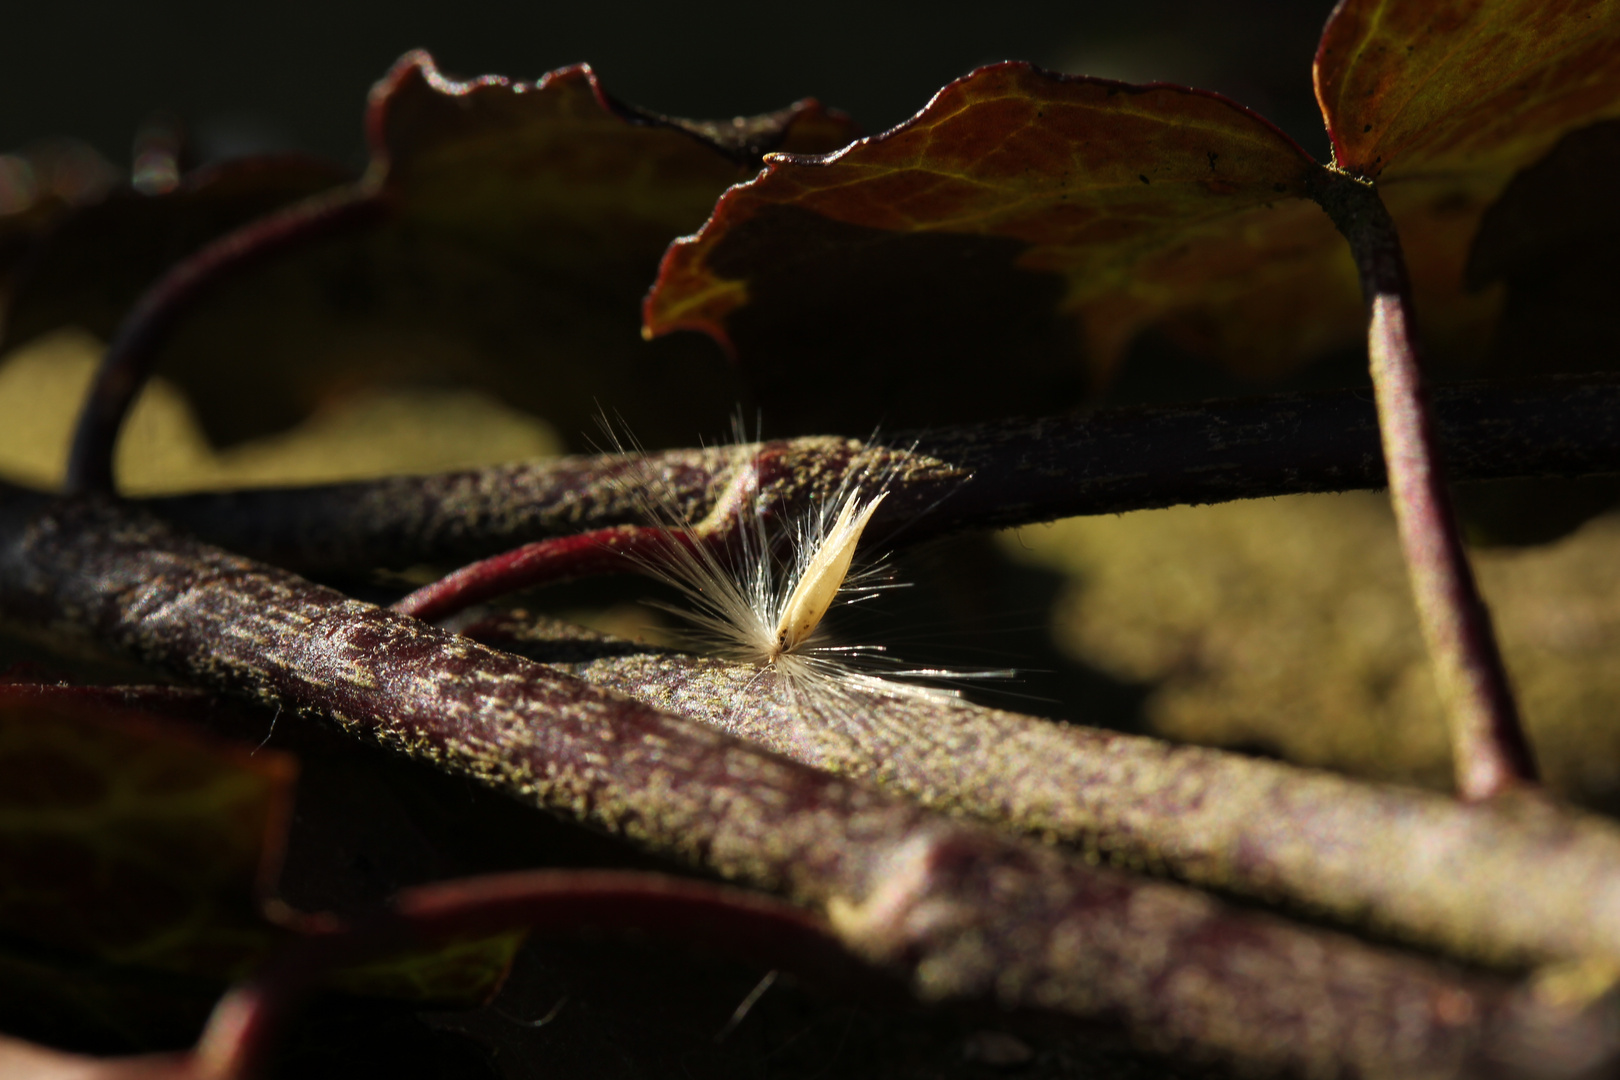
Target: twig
(960, 911)
(135, 348)
(1004, 474)
(1488, 744)
(1425, 868)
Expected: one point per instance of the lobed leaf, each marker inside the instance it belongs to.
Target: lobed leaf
(912, 256)
(558, 174)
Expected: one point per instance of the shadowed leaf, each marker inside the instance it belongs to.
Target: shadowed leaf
(128, 838)
(556, 173)
(64, 1000)
(523, 223)
(132, 836)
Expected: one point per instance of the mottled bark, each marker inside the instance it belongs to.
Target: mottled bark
(1517, 881)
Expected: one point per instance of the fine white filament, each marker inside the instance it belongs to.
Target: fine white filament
(762, 598)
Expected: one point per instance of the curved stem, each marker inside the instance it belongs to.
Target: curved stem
(602, 551)
(145, 330)
(1489, 748)
(246, 1024)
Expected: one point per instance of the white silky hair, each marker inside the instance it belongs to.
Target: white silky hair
(763, 601)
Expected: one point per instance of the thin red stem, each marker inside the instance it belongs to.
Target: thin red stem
(614, 550)
(135, 347)
(1489, 748)
(544, 562)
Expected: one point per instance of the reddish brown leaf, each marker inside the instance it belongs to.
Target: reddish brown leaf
(130, 838)
(1444, 102)
(1016, 201)
(557, 174)
(1423, 87)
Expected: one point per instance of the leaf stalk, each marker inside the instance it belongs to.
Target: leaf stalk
(1489, 747)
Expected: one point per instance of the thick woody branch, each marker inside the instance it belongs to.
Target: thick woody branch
(1466, 879)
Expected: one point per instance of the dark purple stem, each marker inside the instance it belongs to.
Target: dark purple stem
(1003, 474)
(1488, 742)
(135, 347)
(1222, 820)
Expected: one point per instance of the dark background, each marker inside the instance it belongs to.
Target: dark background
(293, 75)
